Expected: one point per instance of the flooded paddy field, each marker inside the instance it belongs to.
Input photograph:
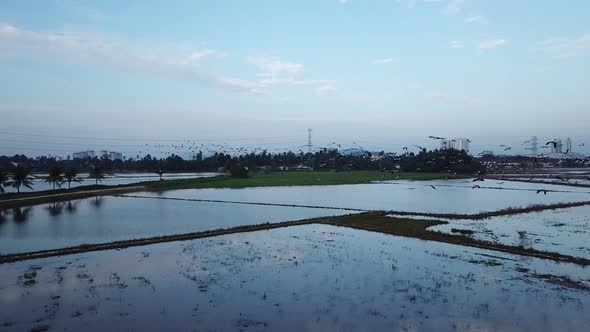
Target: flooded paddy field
(313, 277)
(566, 231)
(107, 219)
(453, 196)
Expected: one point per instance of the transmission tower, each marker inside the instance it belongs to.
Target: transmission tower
(534, 145)
(309, 145)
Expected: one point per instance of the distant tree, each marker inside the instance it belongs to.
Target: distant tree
(71, 175)
(3, 180)
(238, 171)
(55, 176)
(21, 177)
(160, 170)
(96, 173)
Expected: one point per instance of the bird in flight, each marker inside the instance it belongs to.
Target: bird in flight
(554, 143)
(436, 137)
(433, 187)
(476, 186)
(542, 191)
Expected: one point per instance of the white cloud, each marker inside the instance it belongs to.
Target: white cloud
(562, 48)
(120, 55)
(274, 67)
(456, 44)
(278, 72)
(323, 90)
(474, 19)
(383, 61)
(489, 44)
(454, 6)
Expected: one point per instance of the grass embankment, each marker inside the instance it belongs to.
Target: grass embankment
(280, 178)
(291, 178)
(369, 221)
(379, 222)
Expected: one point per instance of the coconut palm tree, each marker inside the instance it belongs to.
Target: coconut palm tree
(3, 180)
(71, 175)
(21, 177)
(160, 172)
(55, 176)
(96, 173)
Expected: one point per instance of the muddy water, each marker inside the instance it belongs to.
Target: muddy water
(313, 277)
(566, 231)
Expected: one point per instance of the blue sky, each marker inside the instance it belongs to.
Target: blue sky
(384, 74)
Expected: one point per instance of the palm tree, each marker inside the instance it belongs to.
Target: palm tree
(3, 180)
(71, 175)
(97, 173)
(55, 176)
(21, 177)
(160, 172)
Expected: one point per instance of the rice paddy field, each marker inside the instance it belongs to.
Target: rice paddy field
(308, 277)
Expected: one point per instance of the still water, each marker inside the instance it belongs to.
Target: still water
(107, 219)
(453, 196)
(305, 278)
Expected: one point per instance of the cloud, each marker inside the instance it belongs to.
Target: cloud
(474, 19)
(456, 44)
(412, 3)
(454, 6)
(323, 90)
(563, 48)
(275, 71)
(274, 67)
(91, 49)
(383, 61)
(489, 44)
(343, 1)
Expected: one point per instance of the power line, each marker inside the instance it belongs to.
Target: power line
(144, 139)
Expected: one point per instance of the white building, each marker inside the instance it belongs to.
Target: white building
(558, 146)
(111, 155)
(568, 145)
(83, 154)
(115, 155)
(455, 143)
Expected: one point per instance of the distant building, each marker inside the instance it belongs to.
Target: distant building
(111, 155)
(83, 154)
(568, 145)
(558, 146)
(455, 143)
(115, 155)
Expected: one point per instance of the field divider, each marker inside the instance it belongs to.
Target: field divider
(244, 203)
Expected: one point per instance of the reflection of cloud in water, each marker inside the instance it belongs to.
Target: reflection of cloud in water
(359, 281)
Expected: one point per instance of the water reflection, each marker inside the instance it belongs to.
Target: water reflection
(55, 209)
(97, 202)
(71, 207)
(20, 215)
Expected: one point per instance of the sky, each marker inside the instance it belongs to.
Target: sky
(381, 74)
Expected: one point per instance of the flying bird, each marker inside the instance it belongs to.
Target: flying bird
(433, 187)
(478, 179)
(476, 186)
(436, 137)
(554, 143)
(542, 191)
